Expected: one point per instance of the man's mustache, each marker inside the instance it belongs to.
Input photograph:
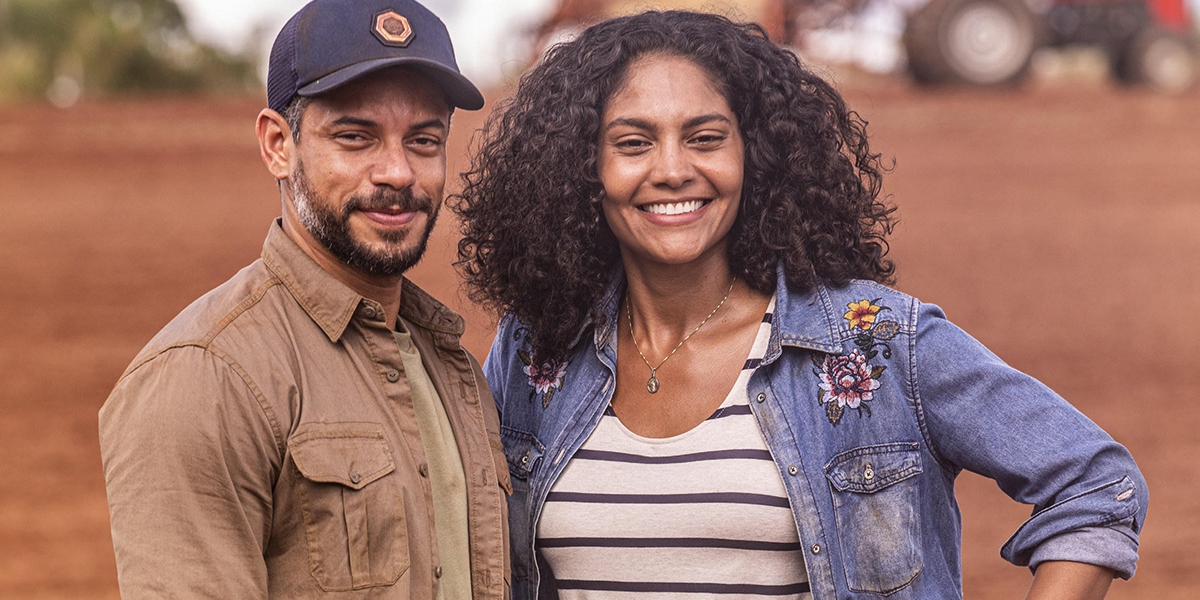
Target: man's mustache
(385, 199)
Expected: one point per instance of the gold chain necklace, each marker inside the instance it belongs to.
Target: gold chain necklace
(652, 384)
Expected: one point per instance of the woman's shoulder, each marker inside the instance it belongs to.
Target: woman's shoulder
(859, 305)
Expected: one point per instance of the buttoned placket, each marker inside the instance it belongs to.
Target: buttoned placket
(808, 523)
(398, 395)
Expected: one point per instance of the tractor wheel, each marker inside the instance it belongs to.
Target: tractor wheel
(1158, 59)
(981, 42)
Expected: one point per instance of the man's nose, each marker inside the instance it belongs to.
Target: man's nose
(393, 170)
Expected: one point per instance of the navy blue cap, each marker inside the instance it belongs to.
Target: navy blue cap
(330, 43)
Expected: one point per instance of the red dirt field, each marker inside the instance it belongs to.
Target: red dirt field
(1057, 224)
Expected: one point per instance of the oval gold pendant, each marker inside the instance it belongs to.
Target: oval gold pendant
(652, 384)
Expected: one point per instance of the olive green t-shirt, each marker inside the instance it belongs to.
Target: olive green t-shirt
(445, 474)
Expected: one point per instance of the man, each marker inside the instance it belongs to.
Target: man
(313, 427)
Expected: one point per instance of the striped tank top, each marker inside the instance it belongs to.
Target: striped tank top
(703, 514)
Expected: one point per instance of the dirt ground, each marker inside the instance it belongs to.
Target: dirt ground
(1056, 223)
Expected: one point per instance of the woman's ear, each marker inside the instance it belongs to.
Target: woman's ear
(275, 143)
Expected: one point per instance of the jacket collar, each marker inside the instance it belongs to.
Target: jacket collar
(331, 304)
(803, 319)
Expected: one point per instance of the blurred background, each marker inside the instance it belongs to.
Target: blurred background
(1046, 160)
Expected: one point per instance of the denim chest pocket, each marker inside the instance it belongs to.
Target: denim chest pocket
(353, 515)
(875, 499)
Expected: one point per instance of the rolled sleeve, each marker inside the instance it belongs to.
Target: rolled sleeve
(1107, 547)
(189, 460)
(982, 415)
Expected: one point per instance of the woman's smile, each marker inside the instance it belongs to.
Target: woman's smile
(674, 208)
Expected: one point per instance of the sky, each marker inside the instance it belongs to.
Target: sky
(480, 29)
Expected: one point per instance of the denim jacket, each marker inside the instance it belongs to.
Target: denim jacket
(871, 403)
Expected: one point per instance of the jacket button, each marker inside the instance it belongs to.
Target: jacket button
(423, 470)
(792, 470)
(355, 478)
(869, 473)
(393, 376)
(761, 397)
(816, 548)
(370, 312)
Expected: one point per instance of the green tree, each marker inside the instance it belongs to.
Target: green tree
(65, 49)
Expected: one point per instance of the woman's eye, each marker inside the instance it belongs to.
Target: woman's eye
(708, 139)
(632, 144)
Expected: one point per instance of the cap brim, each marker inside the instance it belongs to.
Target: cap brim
(460, 92)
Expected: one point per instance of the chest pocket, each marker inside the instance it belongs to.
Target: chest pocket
(875, 499)
(353, 515)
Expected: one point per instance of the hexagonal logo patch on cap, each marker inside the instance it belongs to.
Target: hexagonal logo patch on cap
(392, 29)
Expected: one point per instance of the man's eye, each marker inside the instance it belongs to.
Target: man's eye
(633, 144)
(351, 136)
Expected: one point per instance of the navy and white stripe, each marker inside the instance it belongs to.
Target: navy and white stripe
(703, 514)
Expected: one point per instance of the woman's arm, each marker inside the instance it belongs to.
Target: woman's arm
(1063, 580)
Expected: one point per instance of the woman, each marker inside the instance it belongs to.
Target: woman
(705, 387)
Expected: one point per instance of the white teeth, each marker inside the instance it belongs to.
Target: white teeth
(674, 208)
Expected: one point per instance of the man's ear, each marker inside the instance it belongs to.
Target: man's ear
(275, 143)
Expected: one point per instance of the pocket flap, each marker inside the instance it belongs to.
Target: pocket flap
(869, 469)
(350, 454)
(522, 451)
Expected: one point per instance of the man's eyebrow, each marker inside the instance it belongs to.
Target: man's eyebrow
(434, 123)
(690, 123)
(348, 120)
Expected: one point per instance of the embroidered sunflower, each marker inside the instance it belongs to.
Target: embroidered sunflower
(862, 314)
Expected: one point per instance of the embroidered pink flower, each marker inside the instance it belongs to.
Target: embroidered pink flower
(545, 378)
(548, 376)
(847, 381)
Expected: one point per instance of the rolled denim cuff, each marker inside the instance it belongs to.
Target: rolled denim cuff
(1114, 507)
(1112, 547)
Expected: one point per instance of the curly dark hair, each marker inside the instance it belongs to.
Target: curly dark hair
(535, 242)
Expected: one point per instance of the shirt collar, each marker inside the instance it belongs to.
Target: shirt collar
(331, 304)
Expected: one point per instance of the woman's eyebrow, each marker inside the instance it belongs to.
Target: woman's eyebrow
(644, 124)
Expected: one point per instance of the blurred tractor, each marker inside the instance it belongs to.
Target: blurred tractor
(990, 42)
(975, 42)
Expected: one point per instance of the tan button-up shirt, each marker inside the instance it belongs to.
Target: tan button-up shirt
(264, 444)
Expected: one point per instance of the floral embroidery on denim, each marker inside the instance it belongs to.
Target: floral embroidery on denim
(545, 378)
(849, 381)
(846, 381)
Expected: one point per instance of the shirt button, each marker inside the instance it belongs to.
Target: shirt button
(437, 572)
(761, 397)
(370, 312)
(423, 470)
(792, 470)
(393, 376)
(816, 548)
(355, 478)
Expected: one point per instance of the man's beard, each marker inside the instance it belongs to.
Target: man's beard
(331, 227)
